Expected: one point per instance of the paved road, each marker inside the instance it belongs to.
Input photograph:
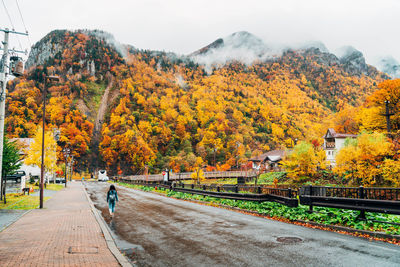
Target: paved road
(158, 231)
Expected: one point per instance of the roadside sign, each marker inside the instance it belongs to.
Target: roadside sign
(163, 173)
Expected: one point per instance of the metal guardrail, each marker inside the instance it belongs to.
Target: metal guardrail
(187, 176)
(236, 192)
(381, 200)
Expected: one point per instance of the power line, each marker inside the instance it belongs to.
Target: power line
(23, 22)
(12, 24)
(8, 14)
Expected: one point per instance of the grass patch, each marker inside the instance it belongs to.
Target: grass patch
(327, 216)
(268, 177)
(54, 187)
(21, 202)
(213, 181)
(95, 93)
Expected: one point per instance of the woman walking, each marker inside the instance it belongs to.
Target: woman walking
(112, 197)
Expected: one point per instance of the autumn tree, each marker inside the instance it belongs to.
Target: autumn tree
(389, 90)
(303, 162)
(361, 160)
(198, 175)
(34, 152)
(11, 162)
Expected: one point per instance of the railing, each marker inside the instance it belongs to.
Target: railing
(381, 200)
(330, 145)
(187, 176)
(375, 193)
(237, 192)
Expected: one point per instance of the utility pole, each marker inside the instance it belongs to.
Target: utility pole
(387, 115)
(3, 78)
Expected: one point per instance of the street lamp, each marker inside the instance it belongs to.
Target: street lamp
(50, 78)
(71, 168)
(215, 152)
(66, 152)
(237, 154)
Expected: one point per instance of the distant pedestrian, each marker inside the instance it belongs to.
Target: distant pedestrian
(112, 198)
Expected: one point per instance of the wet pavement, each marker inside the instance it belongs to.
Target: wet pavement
(7, 217)
(154, 230)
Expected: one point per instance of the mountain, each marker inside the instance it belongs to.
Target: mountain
(120, 107)
(353, 60)
(389, 65)
(313, 44)
(241, 46)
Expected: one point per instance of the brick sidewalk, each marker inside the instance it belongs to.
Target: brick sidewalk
(64, 233)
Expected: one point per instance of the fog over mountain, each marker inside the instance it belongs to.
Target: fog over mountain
(389, 65)
(247, 48)
(240, 46)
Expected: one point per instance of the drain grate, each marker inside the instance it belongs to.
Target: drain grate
(83, 250)
(288, 239)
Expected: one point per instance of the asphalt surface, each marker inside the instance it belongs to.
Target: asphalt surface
(7, 217)
(154, 230)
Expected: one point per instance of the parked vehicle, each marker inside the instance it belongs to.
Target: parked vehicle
(17, 176)
(60, 180)
(102, 176)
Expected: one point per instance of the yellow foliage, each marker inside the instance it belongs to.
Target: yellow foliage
(361, 159)
(34, 152)
(198, 175)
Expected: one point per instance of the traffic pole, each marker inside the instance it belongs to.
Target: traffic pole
(3, 79)
(3, 103)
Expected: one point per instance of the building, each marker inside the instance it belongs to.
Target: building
(270, 160)
(333, 142)
(24, 144)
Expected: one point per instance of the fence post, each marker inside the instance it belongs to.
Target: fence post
(361, 196)
(259, 189)
(204, 187)
(236, 189)
(192, 186)
(218, 189)
(289, 192)
(311, 206)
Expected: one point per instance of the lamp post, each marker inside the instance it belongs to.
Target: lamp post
(50, 78)
(215, 152)
(237, 154)
(71, 168)
(66, 152)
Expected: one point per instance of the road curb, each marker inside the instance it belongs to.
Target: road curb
(335, 228)
(107, 235)
(352, 230)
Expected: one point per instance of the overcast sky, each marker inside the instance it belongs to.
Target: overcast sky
(184, 26)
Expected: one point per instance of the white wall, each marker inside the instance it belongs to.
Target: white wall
(33, 170)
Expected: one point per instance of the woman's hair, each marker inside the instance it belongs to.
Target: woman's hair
(112, 187)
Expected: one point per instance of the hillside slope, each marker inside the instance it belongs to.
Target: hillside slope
(165, 110)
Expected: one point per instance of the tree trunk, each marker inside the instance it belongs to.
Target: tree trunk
(256, 181)
(4, 188)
